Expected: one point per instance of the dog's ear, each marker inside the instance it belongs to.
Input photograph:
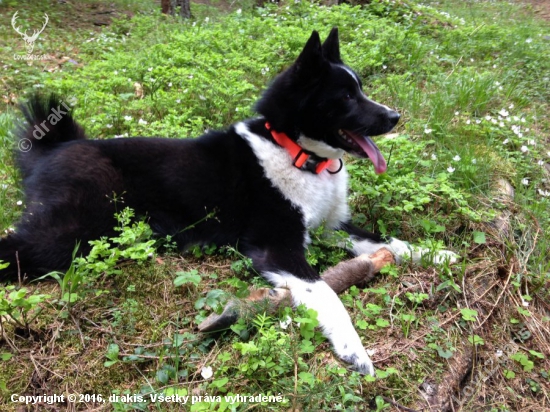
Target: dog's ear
(310, 62)
(331, 47)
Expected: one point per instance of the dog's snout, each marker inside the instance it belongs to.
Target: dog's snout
(393, 117)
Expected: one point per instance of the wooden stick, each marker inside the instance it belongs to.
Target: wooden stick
(341, 277)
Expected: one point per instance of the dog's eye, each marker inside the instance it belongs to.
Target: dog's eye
(348, 97)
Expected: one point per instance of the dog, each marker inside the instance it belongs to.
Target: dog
(267, 180)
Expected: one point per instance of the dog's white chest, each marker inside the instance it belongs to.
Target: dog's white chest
(320, 198)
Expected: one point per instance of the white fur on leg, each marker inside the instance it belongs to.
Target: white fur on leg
(332, 316)
(402, 250)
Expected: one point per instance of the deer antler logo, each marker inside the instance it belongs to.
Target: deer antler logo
(29, 40)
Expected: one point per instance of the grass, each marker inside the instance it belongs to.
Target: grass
(471, 82)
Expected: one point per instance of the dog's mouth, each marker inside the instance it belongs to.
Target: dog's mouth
(363, 146)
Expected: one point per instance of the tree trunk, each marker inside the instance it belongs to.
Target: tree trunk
(170, 7)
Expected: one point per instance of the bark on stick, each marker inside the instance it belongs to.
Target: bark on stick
(341, 277)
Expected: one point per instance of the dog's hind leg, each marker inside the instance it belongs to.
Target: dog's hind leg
(367, 242)
(47, 235)
(8, 255)
(30, 256)
(289, 269)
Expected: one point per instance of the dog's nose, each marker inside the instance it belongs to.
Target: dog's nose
(393, 117)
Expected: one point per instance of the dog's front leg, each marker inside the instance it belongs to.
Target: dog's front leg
(367, 242)
(285, 269)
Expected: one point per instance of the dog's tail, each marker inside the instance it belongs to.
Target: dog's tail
(48, 123)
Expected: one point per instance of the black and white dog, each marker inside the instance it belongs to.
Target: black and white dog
(266, 180)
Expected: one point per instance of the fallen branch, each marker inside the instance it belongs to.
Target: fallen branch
(341, 277)
(438, 397)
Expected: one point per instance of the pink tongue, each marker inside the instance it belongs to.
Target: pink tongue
(372, 151)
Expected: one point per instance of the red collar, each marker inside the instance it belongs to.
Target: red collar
(303, 159)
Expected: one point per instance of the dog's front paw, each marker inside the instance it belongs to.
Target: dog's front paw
(443, 256)
(402, 250)
(363, 365)
(356, 356)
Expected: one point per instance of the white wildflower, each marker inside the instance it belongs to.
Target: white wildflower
(206, 372)
(141, 121)
(427, 130)
(285, 323)
(503, 112)
(524, 181)
(19, 203)
(474, 161)
(524, 149)
(456, 158)
(108, 126)
(450, 169)
(529, 40)
(434, 157)
(127, 118)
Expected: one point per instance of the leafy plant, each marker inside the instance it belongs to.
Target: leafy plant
(20, 305)
(191, 277)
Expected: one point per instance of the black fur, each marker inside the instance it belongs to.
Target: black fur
(70, 182)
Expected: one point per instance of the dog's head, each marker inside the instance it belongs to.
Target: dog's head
(319, 102)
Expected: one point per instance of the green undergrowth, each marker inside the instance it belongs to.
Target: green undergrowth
(471, 82)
